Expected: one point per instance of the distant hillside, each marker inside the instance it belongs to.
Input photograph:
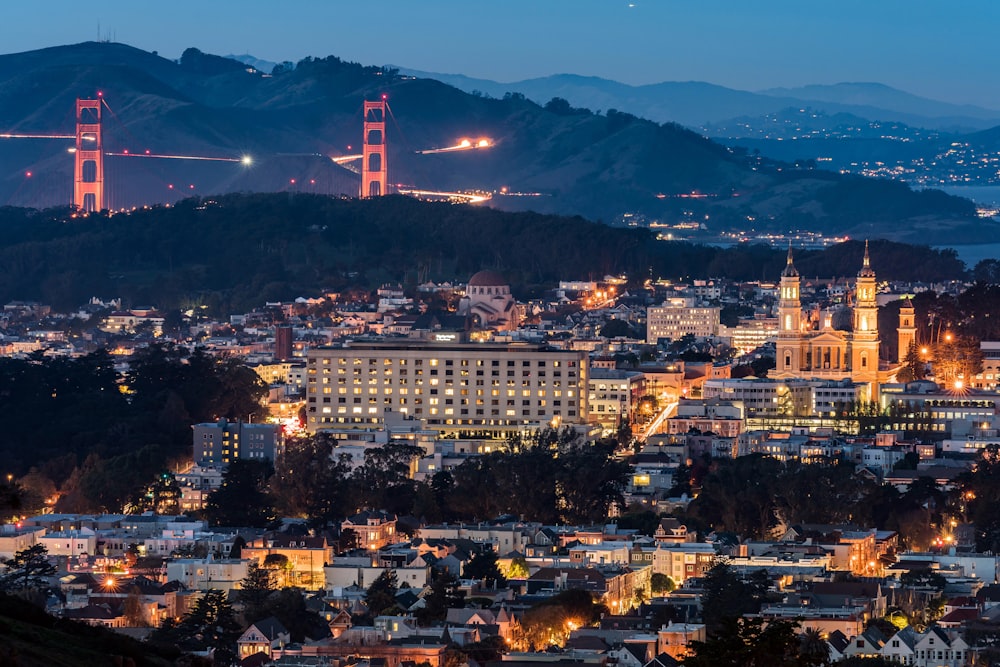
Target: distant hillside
(697, 103)
(232, 253)
(552, 159)
(898, 102)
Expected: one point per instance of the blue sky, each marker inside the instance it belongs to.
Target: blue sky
(939, 49)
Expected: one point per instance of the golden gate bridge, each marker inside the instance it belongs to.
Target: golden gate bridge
(89, 152)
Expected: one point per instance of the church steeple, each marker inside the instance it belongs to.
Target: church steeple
(865, 336)
(866, 265)
(790, 270)
(789, 321)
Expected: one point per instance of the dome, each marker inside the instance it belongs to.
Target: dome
(487, 279)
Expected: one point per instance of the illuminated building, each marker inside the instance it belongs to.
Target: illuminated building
(614, 395)
(810, 346)
(225, 441)
(489, 303)
(681, 318)
(481, 388)
(374, 530)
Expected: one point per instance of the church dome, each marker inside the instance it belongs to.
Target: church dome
(487, 279)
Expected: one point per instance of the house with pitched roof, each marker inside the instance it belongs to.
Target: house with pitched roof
(262, 637)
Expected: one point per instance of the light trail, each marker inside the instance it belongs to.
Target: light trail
(11, 135)
(244, 160)
(472, 198)
(463, 145)
(341, 159)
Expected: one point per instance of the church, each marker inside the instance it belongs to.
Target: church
(810, 347)
(489, 304)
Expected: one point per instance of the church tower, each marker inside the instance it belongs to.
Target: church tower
(789, 346)
(864, 339)
(907, 331)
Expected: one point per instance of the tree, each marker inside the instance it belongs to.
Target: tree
(236, 551)
(813, 648)
(11, 499)
(135, 616)
(211, 624)
(590, 479)
(254, 591)
(518, 568)
(383, 481)
(761, 365)
(748, 642)
(483, 567)
(728, 596)
(616, 328)
(661, 583)
(444, 595)
(956, 357)
(310, 482)
(913, 366)
(381, 595)
(28, 570)
(242, 500)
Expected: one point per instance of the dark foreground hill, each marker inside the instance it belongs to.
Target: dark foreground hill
(236, 251)
(570, 160)
(31, 638)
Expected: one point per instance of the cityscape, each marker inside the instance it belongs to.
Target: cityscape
(326, 363)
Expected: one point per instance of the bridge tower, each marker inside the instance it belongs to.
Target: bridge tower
(88, 183)
(373, 167)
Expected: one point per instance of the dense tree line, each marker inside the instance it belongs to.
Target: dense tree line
(236, 251)
(76, 425)
(551, 476)
(752, 496)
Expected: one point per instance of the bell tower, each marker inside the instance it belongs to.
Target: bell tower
(907, 331)
(789, 346)
(864, 338)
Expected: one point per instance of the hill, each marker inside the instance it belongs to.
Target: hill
(32, 638)
(234, 252)
(697, 103)
(567, 160)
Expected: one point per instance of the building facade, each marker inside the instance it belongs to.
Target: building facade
(810, 347)
(680, 317)
(225, 441)
(476, 388)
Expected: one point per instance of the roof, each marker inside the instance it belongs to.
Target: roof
(487, 279)
(270, 627)
(958, 616)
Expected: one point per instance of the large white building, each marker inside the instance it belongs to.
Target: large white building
(763, 397)
(479, 389)
(750, 333)
(679, 317)
(613, 395)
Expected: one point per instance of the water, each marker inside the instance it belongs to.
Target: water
(983, 195)
(973, 254)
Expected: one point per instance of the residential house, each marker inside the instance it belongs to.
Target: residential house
(262, 637)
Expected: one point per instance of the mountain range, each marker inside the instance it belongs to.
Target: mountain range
(555, 158)
(697, 103)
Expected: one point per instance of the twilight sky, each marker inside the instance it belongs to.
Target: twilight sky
(936, 48)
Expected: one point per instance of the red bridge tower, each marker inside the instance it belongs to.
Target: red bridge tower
(373, 167)
(88, 181)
